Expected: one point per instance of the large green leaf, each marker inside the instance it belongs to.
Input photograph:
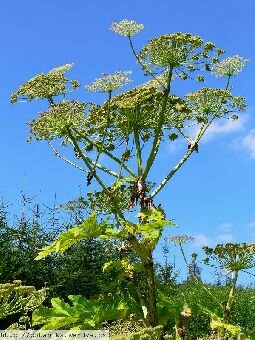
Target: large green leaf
(82, 314)
(89, 228)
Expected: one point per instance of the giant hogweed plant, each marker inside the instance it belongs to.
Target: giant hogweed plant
(233, 258)
(128, 129)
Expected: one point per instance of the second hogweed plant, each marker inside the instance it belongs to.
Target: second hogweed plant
(128, 129)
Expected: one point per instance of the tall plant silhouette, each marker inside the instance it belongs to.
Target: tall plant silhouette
(128, 130)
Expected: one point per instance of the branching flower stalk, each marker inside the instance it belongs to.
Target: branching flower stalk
(107, 126)
(158, 132)
(56, 153)
(101, 149)
(143, 66)
(84, 158)
(177, 166)
(138, 153)
(206, 126)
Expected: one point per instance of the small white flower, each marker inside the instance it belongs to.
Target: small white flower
(126, 27)
(230, 66)
(110, 82)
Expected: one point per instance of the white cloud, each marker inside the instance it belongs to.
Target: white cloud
(226, 227)
(201, 240)
(251, 224)
(248, 143)
(225, 127)
(222, 238)
(220, 127)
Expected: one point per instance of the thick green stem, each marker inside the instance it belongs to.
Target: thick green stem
(151, 291)
(231, 297)
(138, 153)
(158, 132)
(107, 125)
(138, 293)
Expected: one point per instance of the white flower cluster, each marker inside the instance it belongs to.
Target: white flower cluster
(230, 66)
(110, 82)
(126, 27)
(179, 239)
(61, 69)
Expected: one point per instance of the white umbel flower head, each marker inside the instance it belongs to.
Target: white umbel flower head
(230, 66)
(126, 27)
(109, 82)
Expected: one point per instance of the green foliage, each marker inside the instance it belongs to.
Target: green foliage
(77, 271)
(123, 267)
(16, 299)
(82, 314)
(217, 324)
(106, 201)
(90, 228)
(134, 330)
(205, 310)
(20, 240)
(150, 229)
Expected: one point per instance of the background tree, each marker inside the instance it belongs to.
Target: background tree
(128, 130)
(77, 271)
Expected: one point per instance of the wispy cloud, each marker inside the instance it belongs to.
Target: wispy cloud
(220, 127)
(248, 143)
(201, 240)
(251, 224)
(226, 227)
(226, 127)
(222, 238)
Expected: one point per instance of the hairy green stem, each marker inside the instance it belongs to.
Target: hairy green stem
(138, 153)
(231, 297)
(151, 291)
(158, 132)
(107, 124)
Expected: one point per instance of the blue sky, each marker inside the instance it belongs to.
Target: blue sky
(212, 197)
